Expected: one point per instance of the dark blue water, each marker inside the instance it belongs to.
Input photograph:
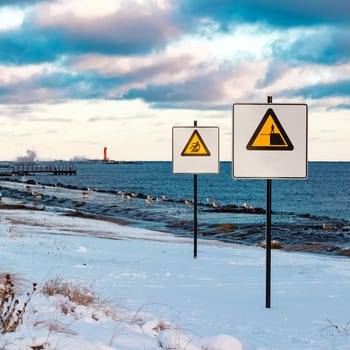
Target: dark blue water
(301, 208)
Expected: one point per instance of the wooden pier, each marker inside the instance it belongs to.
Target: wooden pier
(34, 169)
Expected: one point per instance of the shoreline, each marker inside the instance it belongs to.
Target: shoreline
(320, 248)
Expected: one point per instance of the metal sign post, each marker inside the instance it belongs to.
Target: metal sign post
(268, 241)
(269, 142)
(268, 234)
(195, 151)
(195, 206)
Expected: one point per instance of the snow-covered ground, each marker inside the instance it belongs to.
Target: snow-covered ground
(154, 295)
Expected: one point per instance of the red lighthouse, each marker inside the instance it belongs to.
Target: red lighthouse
(105, 154)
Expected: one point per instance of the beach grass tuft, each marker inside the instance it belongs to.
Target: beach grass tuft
(79, 295)
(11, 312)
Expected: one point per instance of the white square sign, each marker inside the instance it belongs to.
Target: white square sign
(269, 141)
(195, 150)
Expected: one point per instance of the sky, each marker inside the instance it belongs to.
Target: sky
(79, 75)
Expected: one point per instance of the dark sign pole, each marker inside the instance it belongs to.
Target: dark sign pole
(268, 234)
(195, 215)
(195, 231)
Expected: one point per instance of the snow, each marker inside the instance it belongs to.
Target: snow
(156, 296)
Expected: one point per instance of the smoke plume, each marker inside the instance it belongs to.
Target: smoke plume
(30, 157)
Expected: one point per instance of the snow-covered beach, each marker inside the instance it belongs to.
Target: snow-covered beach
(165, 299)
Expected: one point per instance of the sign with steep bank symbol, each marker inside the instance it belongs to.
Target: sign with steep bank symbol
(269, 140)
(270, 135)
(195, 146)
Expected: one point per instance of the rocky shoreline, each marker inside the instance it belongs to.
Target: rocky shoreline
(290, 231)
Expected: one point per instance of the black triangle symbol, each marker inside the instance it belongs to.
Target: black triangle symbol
(274, 141)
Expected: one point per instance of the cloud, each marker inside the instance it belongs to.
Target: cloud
(275, 71)
(207, 88)
(319, 45)
(274, 13)
(122, 74)
(342, 106)
(339, 88)
(134, 52)
(44, 36)
(20, 2)
(141, 67)
(99, 119)
(26, 45)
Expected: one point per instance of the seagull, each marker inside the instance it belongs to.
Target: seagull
(215, 204)
(246, 206)
(37, 195)
(149, 200)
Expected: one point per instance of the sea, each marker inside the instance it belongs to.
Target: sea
(311, 215)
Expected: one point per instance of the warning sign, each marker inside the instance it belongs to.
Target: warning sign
(195, 150)
(270, 135)
(195, 146)
(258, 129)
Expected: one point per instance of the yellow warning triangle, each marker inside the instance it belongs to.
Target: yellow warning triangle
(195, 146)
(270, 135)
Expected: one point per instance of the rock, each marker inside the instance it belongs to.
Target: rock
(274, 244)
(328, 227)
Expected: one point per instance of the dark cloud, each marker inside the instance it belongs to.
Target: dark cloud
(42, 38)
(160, 68)
(26, 46)
(274, 72)
(325, 45)
(190, 105)
(169, 66)
(275, 13)
(195, 93)
(21, 2)
(169, 93)
(321, 90)
(58, 86)
(123, 32)
(341, 106)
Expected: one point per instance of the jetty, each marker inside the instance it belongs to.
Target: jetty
(35, 169)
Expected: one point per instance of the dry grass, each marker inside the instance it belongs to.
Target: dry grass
(76, 294)
(11, 313)
(161, 326)
(79, 295)
(54, 326)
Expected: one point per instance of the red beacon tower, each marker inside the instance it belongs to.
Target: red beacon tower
(105, 154)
